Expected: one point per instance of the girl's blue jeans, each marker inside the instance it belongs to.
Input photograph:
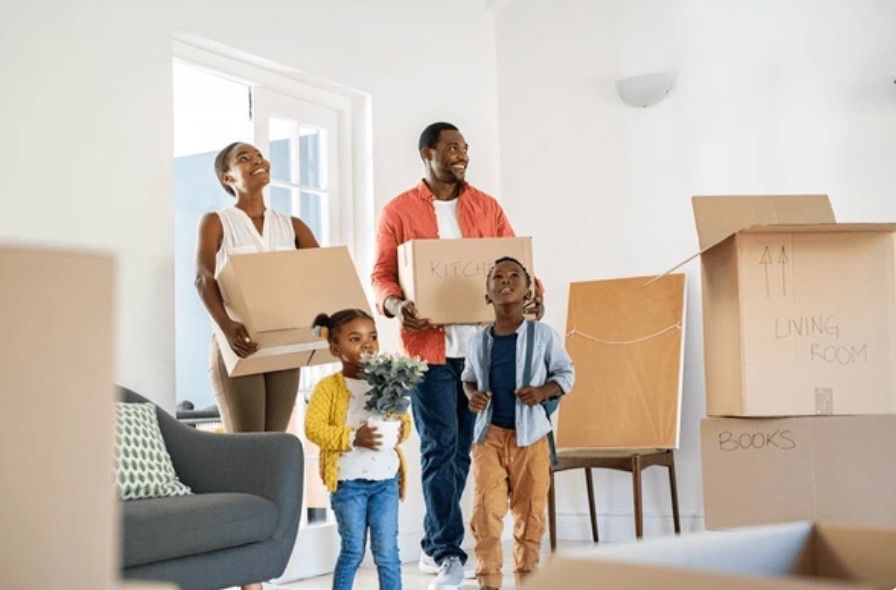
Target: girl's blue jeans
(362, 504)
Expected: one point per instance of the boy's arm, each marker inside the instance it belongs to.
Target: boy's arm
(318, 429)
(469, 389)
(560, 368)
(561, 374)
(535, 395)
(478, 400)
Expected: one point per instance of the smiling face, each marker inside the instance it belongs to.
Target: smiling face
(354, 339)
(508, 283)
(247, 169)
(449, 159)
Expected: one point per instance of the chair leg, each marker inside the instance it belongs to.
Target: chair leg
(636, 492)
(676, 521)
(592, 509)
(552, 514)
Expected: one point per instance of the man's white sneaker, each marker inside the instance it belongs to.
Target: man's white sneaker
(451, 575)
(427, 564)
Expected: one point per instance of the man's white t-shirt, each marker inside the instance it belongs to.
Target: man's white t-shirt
(456, 335)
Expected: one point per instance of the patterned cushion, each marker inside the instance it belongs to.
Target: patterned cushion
(143, 467)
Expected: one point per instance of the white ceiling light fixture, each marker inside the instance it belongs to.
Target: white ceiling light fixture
(647, 89)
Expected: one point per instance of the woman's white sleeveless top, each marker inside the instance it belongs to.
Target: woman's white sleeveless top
(241, 236)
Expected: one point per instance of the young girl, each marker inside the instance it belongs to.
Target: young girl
(511, 455)
(366, 481)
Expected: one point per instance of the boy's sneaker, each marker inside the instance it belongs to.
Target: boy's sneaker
(427, 564)
(451, 575)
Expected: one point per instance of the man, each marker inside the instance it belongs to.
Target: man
(442, 205)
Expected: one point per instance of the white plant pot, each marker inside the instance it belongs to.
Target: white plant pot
(387, 428)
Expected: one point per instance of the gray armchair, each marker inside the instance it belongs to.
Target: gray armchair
(240, 525)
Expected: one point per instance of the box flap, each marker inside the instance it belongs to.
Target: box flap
(859, 554)
(581, 574)
(719, 217)
(771, 557)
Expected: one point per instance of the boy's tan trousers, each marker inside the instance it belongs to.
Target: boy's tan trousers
(505, 474)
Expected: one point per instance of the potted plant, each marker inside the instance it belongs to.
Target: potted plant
(391, 378)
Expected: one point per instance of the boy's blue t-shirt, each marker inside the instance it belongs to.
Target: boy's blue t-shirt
(502, 378)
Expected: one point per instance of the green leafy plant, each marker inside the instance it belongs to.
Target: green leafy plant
(391, 377)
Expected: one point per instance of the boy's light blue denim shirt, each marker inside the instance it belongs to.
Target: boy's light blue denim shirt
(549, 363)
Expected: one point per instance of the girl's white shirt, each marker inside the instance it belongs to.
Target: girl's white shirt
(361, 462)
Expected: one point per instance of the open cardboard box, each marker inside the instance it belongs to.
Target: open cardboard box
(834, 468)
(446, 278)
(799, 312)
(276, 295)
(789, 556)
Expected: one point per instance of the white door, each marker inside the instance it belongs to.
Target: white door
(301, 140)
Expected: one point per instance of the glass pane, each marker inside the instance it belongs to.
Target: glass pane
(310, 213)
(280, 134)
(312, 154)
(210, 112)
(281, 200)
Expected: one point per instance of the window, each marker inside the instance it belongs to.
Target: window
(302, 140)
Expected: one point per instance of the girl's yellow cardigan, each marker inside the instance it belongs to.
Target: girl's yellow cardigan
(325, 426)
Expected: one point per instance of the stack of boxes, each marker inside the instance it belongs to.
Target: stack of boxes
(799, 318)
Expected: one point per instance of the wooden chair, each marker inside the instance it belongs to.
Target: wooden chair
(631, 460)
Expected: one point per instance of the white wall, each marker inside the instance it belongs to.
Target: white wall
(86, 158)
(86, 109)
(772, 97)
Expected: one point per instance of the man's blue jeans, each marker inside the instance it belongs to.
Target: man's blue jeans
(360, 504)
(445, 425)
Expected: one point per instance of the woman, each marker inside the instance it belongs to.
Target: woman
(261, 402)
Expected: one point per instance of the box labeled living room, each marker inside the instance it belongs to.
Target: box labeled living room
(799, 312)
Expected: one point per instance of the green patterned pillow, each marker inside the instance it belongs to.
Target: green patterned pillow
(143, 467)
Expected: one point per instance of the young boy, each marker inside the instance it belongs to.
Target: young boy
(511, 454)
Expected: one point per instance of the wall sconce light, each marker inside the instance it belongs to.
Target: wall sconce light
(647, 89)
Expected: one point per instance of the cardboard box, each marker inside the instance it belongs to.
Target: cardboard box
(626, 338)
(791, 556)
(758, 470)
(59, 515)
(799, 313)
(276, 295)
(446, 278)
